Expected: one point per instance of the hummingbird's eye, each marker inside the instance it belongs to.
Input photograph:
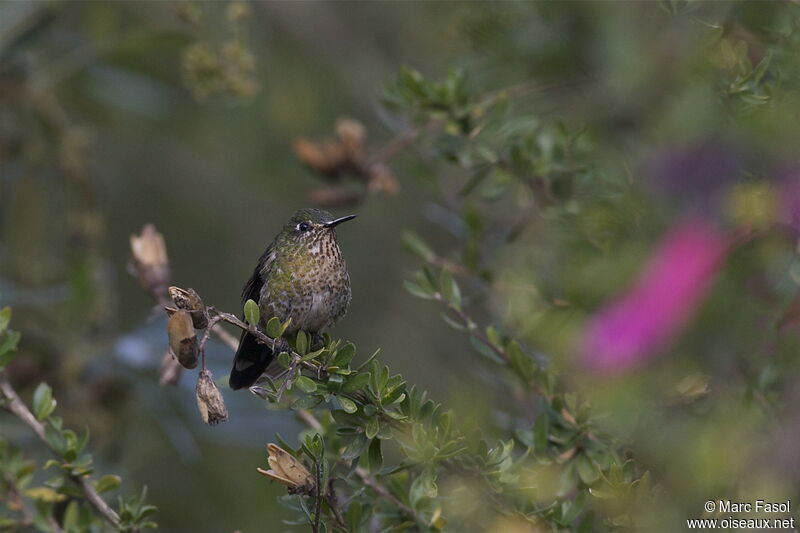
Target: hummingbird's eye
(304, 226)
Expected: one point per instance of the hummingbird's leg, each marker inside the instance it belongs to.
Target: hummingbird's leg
(279, 345)
(317, 341)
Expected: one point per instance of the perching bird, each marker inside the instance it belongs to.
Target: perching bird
(302, 275)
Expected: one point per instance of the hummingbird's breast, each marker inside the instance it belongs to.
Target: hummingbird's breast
(308, 284)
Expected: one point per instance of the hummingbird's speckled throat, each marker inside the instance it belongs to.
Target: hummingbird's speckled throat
(301, 275)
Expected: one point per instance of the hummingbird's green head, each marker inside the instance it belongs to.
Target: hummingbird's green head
(310, 225)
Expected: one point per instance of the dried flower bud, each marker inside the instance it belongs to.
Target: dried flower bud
(327, 197)
(189, 12)
(189, 300)
(382, 180)
(182, 340)
(322, 158)
(150, 260)
(287, 470)
(238, 11)
(352, 135)
(170, 370)
(209, 400)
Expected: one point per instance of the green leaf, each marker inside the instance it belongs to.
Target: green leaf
(417, 290)
(5, 318)
(484, 350)
(344, 355)
(369, 360)
(453, 323)
(305, 384)
(55, 439)
(373, 426)
(43, 403)
(108, 483)
(356, 447)
(423, 487)
(348, 405)
(8, 345)
(356, 382)
(450, 289)
(307, 402)
(252, 313)
(274, 328)
(375, 456)
(414, 244)
(301, 344)
(586, 469)
(284, 360)
(354, 516)
(520, 362)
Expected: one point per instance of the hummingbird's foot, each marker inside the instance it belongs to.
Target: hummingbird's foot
(280, 345)
(317, 341)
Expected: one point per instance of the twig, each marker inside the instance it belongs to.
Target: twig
(396, 145)
(318, 498)
(310, 420)
(333, 504)
(18, 407)
(475, 333)
(14, 500)
(289, 373)
(373, 483)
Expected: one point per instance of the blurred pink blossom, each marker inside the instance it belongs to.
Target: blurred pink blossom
(790, 202)
(651, 313)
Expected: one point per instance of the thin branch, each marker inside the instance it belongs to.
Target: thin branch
(18, 407)
(476, 334)
(368, 480)
(318, 498)
(396, 145)
(373, 483)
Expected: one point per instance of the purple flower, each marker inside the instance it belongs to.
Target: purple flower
(695, 174)
(652, 312)
(789, 203)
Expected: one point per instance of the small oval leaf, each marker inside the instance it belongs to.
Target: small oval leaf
(252, 314)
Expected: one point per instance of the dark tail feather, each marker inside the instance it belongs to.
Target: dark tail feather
(252, 358)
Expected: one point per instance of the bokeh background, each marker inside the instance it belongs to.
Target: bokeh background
(112, 115)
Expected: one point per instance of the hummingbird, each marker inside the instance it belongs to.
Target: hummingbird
(301, 276)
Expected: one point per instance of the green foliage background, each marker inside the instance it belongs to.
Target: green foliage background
(544, 130)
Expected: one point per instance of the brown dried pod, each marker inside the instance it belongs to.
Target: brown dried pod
(150, 260)
(287, 470)
(170, 370)
(352, 134)
(209, 400)
(327, 197)
(312, 155)
(182, 339)
(189, 300)
(382, 180)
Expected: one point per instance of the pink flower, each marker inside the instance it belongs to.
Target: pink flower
(652, 312)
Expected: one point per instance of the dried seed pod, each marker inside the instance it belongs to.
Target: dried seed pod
(382, 180)
(287, 470)
(189, 300)
(170, 370)
(150, 260)
(352, 134)
(334, 197)
(182, 339)
(209, 400)
(312, 155)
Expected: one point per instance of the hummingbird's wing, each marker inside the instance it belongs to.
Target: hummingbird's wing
(252, 289)
(252, 357)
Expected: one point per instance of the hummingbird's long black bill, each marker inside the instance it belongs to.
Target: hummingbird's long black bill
(338, 221)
